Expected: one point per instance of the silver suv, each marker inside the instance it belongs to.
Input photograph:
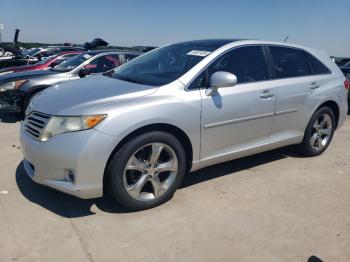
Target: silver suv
(179, 108)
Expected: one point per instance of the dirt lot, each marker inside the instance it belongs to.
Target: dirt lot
(273, 206)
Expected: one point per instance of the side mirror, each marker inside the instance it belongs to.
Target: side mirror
(83, 72)
(220, 79)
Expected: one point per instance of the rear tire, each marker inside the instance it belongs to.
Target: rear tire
(319, 132)
(146, 171)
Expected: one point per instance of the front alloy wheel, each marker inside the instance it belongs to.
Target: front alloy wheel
(150, 171)
(146, 171)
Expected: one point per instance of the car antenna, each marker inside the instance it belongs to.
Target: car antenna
(285, 40)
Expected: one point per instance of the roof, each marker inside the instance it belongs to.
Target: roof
(209, 43)
(218, 42)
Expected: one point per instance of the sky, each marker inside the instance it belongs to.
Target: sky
(317, 23)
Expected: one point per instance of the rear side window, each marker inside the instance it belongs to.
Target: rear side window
(316, 67)
(247, 63)
(103, 64)
(288, 62)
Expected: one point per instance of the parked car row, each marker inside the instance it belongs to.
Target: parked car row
(19, 85)
(45, 63)
(137, 130)
(34, 55)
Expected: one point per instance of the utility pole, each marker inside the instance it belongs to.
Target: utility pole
(1, 30)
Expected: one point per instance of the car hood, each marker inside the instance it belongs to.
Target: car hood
(87, 95)
(24, 75)
(20, 68)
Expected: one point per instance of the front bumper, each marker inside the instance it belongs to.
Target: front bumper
(85, 153)
(12, 101)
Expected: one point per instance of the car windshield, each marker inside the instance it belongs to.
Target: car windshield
(44, 60)
(164, 65)
(30, 52)
(72, 63)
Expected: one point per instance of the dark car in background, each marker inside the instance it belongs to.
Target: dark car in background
(144, 49)
(33, 55)
(346, 69)
(340, 61)
(45, 63)
(17, 89)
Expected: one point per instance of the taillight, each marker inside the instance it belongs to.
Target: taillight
(347, 84)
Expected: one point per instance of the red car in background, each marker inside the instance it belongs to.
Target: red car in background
(45, 63)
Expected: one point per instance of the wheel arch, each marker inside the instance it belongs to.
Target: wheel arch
(335, 108)
(169, 128)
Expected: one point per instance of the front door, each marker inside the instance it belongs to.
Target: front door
(237, 119)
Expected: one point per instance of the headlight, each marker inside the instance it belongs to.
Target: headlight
(60, 124)
(12, 85)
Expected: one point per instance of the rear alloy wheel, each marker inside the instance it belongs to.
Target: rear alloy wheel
(319, 132)
(146, 171)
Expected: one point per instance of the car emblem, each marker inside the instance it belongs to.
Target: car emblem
(29, 109)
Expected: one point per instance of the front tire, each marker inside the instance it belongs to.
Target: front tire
(319, 132)
(146, 171)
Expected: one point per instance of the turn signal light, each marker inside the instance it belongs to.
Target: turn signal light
(91, 121)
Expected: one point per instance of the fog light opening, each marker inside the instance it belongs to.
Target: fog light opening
(69, 175)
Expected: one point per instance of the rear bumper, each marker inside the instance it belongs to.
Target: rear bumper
(12, 101)
(344, 109)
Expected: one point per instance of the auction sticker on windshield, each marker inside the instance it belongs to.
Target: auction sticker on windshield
(87, 56)
(198, 53)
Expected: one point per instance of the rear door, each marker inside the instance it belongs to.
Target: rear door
(297, 90)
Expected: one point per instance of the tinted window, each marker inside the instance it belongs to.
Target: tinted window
(103, 64)
(317, 68)
(30, 52)
(200, 81)
(288, 62)
(61, 59)
(72, 63)
(247, 63)
(129, 57)
(67, 56)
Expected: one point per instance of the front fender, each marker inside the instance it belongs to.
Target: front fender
(182, 111)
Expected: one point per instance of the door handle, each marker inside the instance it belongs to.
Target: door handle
(267, 94)
(314, 85)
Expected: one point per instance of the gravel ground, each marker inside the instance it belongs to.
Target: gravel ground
(273, 206)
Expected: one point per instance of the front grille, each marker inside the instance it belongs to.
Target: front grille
(34, 124)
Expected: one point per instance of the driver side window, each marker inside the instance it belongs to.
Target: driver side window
(247, 63)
